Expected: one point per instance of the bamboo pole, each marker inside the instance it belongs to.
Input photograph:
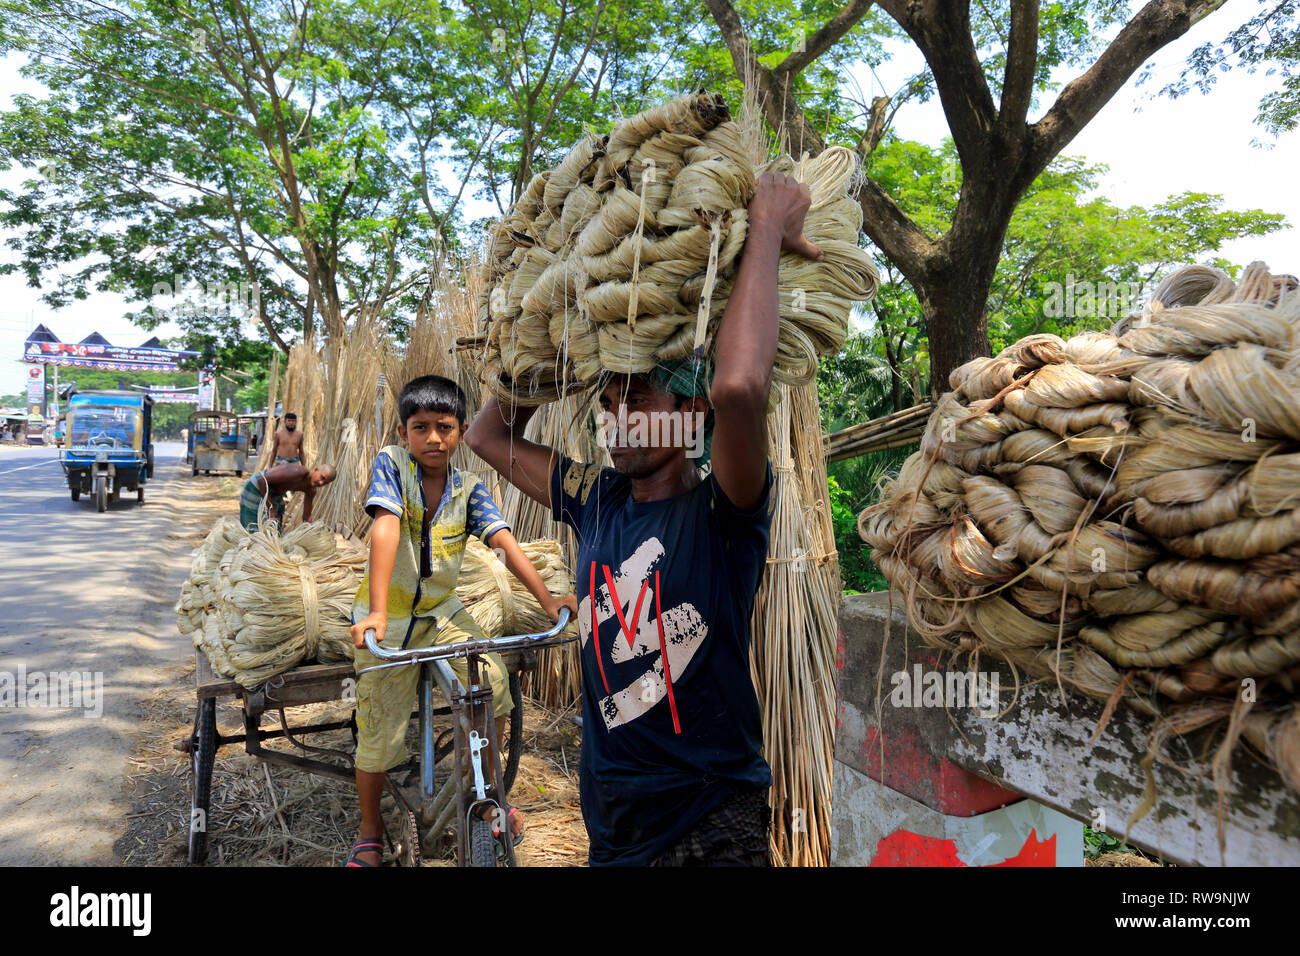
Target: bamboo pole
(921, 411)
(897, 439)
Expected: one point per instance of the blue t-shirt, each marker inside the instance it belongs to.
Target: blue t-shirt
(662, 747)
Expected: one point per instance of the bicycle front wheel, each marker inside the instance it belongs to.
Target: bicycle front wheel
(482, 845)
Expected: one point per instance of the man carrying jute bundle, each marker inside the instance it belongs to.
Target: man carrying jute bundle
(669, 563)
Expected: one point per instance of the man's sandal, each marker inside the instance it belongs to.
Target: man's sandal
(365, 846)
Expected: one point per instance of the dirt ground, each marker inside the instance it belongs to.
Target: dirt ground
(268, 815)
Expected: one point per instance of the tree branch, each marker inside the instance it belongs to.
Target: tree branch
(824, 38)
(1022, 62)
(941, 31)
(889, 227)
(1156, 24)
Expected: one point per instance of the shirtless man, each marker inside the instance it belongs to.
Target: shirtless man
(273, 484)
(288, 442)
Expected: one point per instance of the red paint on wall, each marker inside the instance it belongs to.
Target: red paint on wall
(1035, 852)
(911, 769)
(905, 848)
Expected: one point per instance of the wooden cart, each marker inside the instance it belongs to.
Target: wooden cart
(312, 684)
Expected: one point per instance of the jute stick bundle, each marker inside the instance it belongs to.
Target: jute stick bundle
(1120, 512)
(259, 604)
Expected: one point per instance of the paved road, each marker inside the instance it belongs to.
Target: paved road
(88, 592)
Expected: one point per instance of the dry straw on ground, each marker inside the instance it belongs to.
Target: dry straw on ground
(1120, 512)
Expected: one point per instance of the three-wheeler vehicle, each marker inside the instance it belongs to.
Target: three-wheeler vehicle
(254, 427)
(108, 445)
(220, 444)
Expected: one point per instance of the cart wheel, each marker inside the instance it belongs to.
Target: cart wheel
(148, 468)
(482, 845)
(195, 471)
(408, 845)
(101, 493)
(76, 494)
(139, 494)
(117, 493)
(201, 759)
(516, 746)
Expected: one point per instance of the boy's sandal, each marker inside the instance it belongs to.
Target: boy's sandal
(365, 846)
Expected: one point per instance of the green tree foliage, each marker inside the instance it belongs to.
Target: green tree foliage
(1268, 41)
(536, 75)
(1074, 261)
(320, 152)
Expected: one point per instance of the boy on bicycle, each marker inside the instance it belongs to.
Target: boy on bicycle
(408, 593)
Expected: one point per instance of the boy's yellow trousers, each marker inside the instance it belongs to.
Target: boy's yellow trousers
(386, 698)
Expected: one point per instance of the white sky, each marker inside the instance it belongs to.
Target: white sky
(1154, 147)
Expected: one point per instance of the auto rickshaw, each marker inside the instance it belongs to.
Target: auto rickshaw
(108, 446)
(219, 444)
(254, 427)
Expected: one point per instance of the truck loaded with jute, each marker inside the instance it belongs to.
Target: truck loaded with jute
(1118, 514)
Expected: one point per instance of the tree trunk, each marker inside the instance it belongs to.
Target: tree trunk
(958, 274)
(956, 323)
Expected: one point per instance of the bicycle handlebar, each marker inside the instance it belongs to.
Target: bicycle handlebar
(506, 642)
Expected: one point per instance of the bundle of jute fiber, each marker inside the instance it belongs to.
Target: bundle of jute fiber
(623, 255)
(498, 601)
(201, 593)
(262, 603)
(792, 650)
(1120, 512)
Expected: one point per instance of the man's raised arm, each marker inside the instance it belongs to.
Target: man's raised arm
(497, 436)
(747, 336)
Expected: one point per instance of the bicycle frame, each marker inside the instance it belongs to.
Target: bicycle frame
(466, 705)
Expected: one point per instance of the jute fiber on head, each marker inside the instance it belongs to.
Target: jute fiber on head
(623, 255)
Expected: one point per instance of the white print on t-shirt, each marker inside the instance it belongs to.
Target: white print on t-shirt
(684, 631)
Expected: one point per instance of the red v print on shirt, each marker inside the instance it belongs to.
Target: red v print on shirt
(667, 640)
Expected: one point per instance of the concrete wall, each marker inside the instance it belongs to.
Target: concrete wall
(954, 760)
